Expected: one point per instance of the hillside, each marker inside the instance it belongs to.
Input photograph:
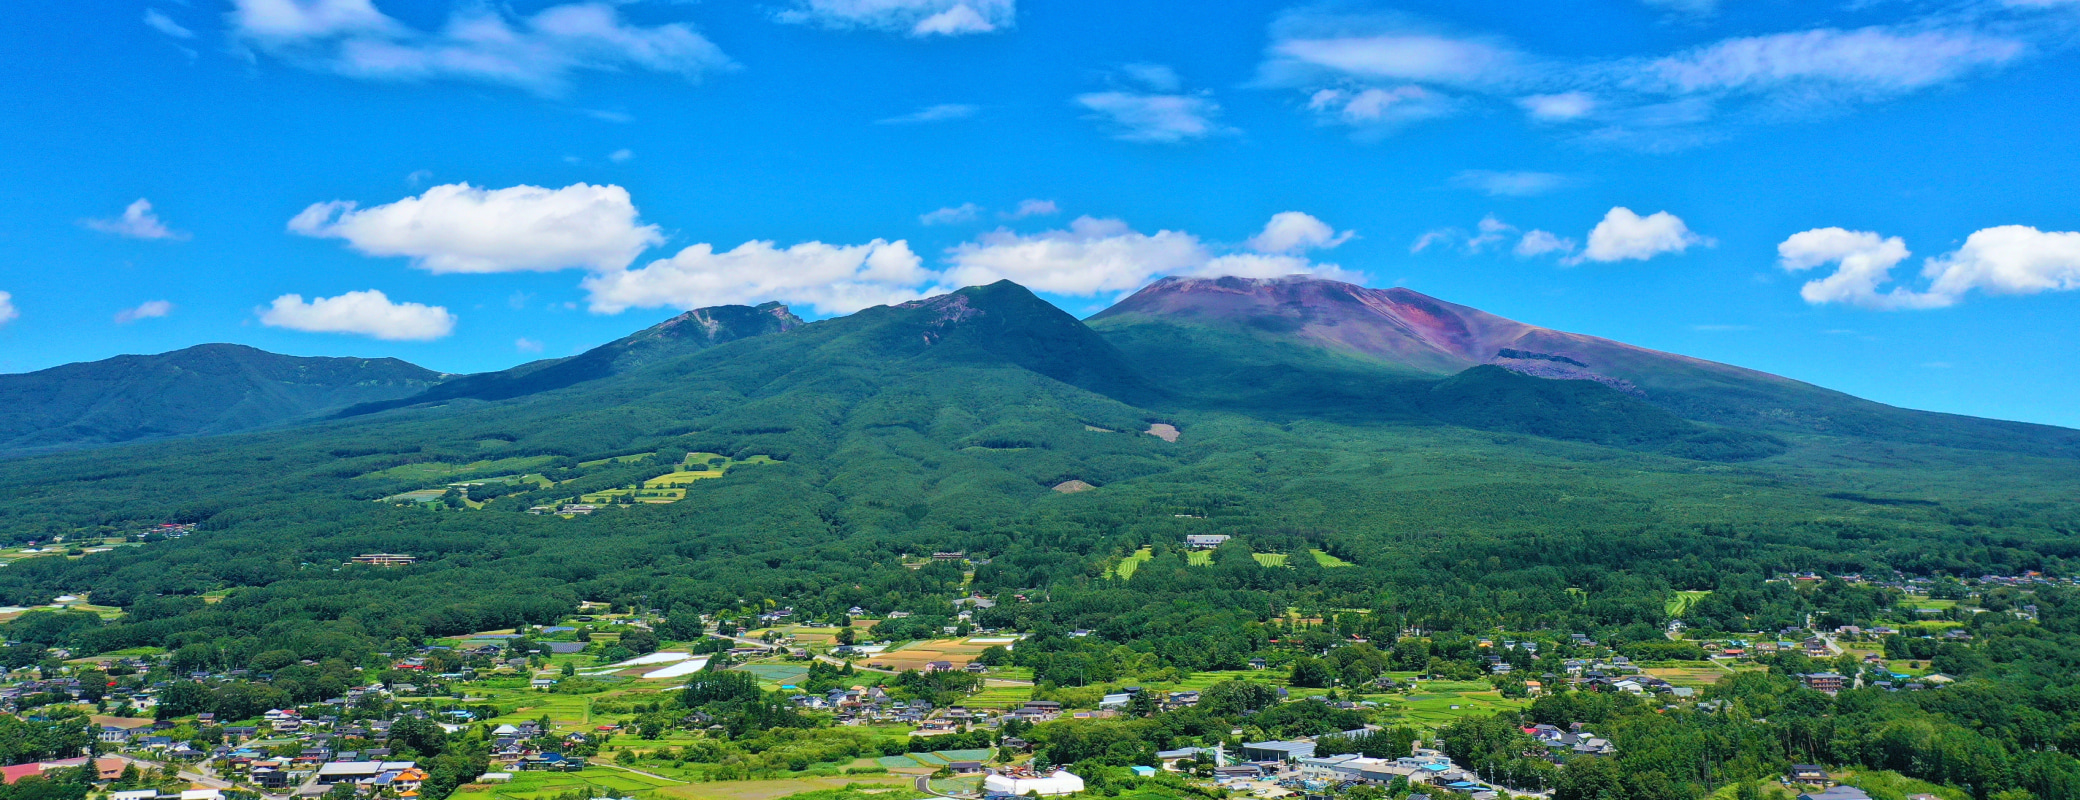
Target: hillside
(689, 332)
(1276, 345)
(202, 390)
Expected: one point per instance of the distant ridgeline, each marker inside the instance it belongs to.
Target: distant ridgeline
(1404, 486)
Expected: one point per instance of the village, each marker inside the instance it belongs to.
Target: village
(571, 707)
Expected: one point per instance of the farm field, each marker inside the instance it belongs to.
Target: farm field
(436, 470)
(896, 785)
(914, 655)
(671, 487)
(1693, 677)
(596, 781)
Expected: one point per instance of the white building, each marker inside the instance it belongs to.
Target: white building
(1061, 782)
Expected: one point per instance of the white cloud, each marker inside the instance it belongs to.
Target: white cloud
(526, 345)
(942, 112)
(158, 21)
(149, 309)
(8, 313)
(917, 18)
(1624, 235)
(835, 279)
(1392, 67)
(479, 42)
(1490, 233)
(1558, 107)
(1155, 118)
(368, 313)
(1395, 55)
(1156, 77)
(1379, 109)
(951, 215)
(2009, 259)
(1509, 184)
(1875, 61)
(621, 156)
(1032, 208)
(1102, 256)
(1691, 7)
(137, 222)
(463, 228)
(1294, 231)
(1536, 243)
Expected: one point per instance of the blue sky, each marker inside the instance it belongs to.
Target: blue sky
(1874, 196)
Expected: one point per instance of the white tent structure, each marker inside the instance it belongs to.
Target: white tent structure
(1060, 782)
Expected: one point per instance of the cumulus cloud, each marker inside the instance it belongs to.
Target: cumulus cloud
(918, 18)
(951, 215)
(463, 228)
(2010, 259)
(1102, 256)
(480, 42)
(1624, 235)
(367, 313)
(1509, 184)
(137, 222)
(158, 21)
(834, 279)
(149, 309)
(1295, 231)
(935, 113)
(1536, 243)
(8, 313)
(1032, 208)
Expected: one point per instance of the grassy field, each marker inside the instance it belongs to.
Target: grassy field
(774, 789)
(598, 781)
(1126, 566)
(1327, 560)
(1270, 559)
(1682, 601)
(671, 487)
(436, 470)
(1434, 704)
(1199, 558)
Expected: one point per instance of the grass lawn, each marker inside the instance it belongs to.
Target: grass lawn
(1327, 560)
(1682, 601)
(599, 781)
(1270, 559)
(1199, 558)
(773, 789)
(1435, 704)
(1126, 566)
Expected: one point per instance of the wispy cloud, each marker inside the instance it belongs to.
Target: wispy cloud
(149, 309)
(136, 222)
(540, 53)
(1509, 184)
(1377, 72)
(1032, 208)
(951, 215)
(942, 112)
(1149, 105)
(158, 21)
(916, 18)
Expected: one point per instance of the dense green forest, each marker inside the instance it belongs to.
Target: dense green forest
(943, 426)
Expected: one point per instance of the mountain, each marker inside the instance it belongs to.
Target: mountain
(690, 332)
(206, 389)
(1301, 342)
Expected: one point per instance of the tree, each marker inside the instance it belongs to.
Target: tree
(1311, 673)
